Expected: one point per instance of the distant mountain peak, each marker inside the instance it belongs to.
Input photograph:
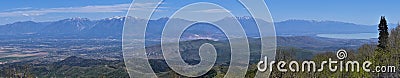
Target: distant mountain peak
(163, 18)
(245, 17)
(23, 22)
(78, 18)
(315, 21)
(116, 18)
(238, 18)
(298, 20)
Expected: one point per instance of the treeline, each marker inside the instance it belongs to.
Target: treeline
(73, 66)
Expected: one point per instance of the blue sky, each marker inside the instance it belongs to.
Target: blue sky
(353, 11)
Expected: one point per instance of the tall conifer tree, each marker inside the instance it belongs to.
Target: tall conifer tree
(383, 33)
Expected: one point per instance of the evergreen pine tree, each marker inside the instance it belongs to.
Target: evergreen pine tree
(383, 33)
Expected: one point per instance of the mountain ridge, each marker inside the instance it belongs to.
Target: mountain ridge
(113, 27)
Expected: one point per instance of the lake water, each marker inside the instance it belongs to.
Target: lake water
(350, 36)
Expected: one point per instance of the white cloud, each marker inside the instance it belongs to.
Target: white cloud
(84, 9)
(20, 9)
(147, 6)
(211, 11)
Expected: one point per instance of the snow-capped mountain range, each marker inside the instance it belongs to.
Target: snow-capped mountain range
(112, 27)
